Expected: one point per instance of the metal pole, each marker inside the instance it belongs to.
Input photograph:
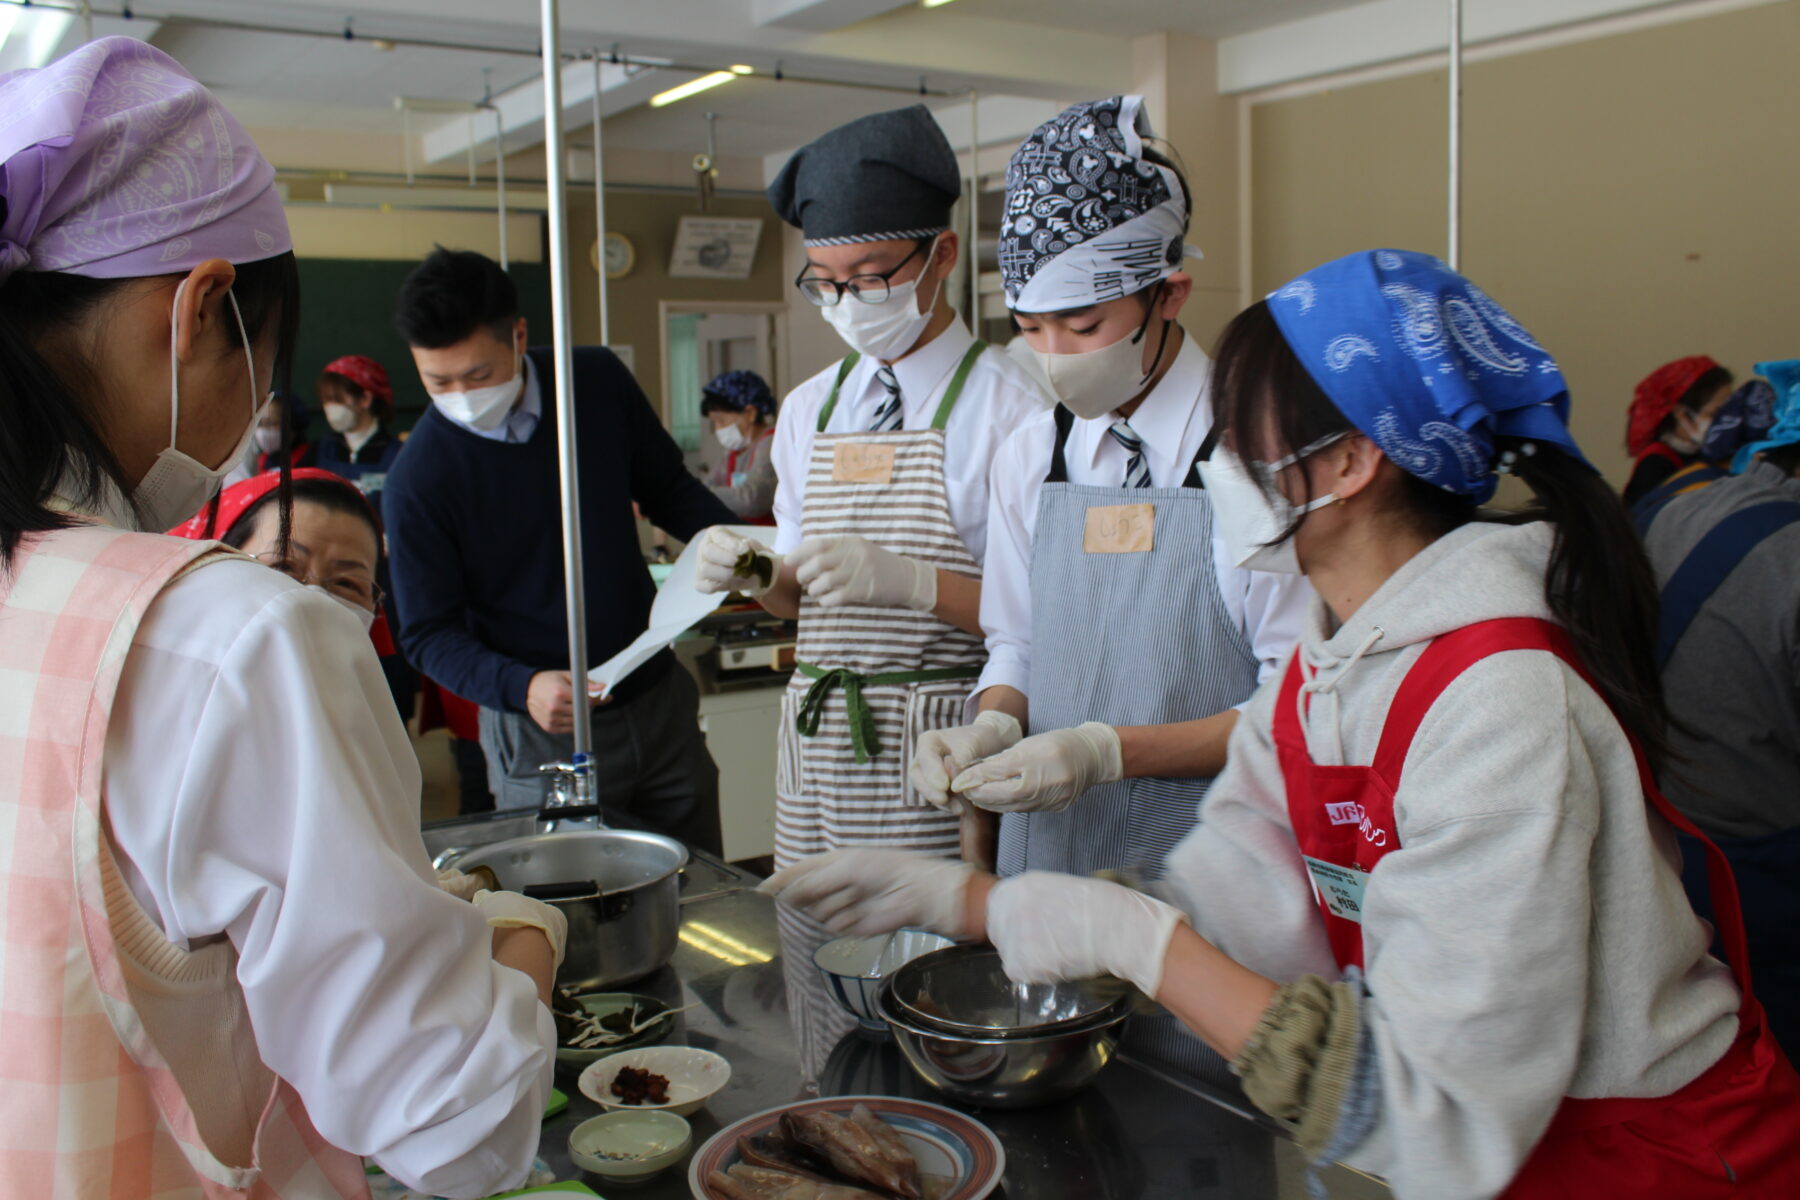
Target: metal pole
(974, 257)
(406, 139)
(600, 208)
(1455, 189)
(500, 170)
(563, 339)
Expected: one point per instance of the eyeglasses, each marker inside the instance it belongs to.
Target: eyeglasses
(870, 289)
(349, 585)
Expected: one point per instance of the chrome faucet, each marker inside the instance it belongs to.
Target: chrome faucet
(569, 784)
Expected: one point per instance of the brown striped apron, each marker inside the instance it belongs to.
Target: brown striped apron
(868, 681)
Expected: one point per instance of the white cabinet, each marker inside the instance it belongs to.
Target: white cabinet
(740, 729)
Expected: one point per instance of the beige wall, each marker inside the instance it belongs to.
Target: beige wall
(649, 219)
(1631, 199)
(1178, 77)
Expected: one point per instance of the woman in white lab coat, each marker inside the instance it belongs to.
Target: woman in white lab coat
(228, 966)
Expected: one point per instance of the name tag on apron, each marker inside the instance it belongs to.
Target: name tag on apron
(862, 462)
(1340, 887)
(1120, 529)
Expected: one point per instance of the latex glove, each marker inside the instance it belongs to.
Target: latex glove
(510, 910)
(943, 754)
(867, 892)
(1046, 772)
(1050, 927)
(715, 569)
(853, 570)
(463, 887)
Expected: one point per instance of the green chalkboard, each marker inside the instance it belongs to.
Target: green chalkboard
(347, 307)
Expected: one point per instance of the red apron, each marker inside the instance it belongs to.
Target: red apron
(1734, 1132)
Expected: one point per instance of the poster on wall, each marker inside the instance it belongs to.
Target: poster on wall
(715, 247)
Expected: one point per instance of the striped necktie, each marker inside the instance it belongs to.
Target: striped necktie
(887, 417)
(1137, 471)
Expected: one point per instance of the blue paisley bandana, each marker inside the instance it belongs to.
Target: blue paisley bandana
(1425, 364)
(1746, 417)
(1088, 219)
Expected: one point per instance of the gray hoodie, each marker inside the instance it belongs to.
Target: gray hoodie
(1530, 939)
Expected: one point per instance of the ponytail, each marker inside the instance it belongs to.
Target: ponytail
(1599, 585)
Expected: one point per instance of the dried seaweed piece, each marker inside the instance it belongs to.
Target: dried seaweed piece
(751, 563)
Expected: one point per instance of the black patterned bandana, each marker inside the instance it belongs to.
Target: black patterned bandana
(1088, 219)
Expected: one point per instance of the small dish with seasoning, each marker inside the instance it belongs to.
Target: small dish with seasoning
(687, 1076)
(631, 1145)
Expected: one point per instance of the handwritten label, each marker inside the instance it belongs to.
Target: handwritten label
(1120, 529)
(862, 462)
(1340, 888)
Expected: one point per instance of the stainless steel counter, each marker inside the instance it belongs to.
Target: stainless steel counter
(1134, 1134)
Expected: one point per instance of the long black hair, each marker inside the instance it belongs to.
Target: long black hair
(1599, 584)
(50, 418)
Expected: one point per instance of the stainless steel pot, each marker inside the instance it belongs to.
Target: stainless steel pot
(623, 927)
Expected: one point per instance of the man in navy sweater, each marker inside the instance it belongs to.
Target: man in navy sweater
(474, 521)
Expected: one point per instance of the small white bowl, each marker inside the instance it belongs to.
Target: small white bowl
(694, 1077)
(855, 967)
(630, 1146)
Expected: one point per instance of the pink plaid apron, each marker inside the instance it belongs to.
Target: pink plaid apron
(89, 1109)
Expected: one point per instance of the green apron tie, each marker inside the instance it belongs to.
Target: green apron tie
(863, 736)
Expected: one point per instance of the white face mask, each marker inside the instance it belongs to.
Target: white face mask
(482, 408)
(731, 437)
(177, 486)
(268, 440)
(356, 610)
(889, 329)
(341, 417)
(1095, 382)
(1250, 519)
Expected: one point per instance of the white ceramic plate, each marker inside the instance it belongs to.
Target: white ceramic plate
(694, 1077)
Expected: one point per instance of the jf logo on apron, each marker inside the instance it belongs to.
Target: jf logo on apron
(868, 681)
(1729, 1133)
(1127, 627)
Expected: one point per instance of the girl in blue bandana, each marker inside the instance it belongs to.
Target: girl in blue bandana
(1433, 913)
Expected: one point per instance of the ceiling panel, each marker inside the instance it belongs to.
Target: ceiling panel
(1134, 18)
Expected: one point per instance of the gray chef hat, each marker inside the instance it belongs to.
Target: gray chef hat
(879, 178)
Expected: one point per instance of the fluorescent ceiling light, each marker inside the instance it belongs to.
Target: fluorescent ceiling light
(29, 36)
(694, 87)
(934, 3)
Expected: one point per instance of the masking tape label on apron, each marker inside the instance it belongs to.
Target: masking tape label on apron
(1120, 529)
(862, 462)
(1341, 888)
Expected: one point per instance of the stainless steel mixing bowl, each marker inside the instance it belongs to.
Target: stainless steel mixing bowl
(964, 990)
(1022, 1070)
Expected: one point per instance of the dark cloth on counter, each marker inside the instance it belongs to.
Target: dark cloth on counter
(475, 534)
(651, 765)
(1733, 679)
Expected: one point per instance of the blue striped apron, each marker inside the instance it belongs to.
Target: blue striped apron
(1128, 639)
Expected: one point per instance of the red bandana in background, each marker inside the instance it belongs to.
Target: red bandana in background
(365, 373)
(1657, 395)
(236, 500)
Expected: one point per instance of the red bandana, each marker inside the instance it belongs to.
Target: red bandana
(365, 373)
(1657, 395)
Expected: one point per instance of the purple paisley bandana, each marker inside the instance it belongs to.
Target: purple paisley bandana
(115, 163)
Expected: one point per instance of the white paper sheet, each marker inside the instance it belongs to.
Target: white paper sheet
(678, 608)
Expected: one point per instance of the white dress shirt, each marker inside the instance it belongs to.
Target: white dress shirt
(522, 421)
(996, 398)
(259, 784)
(1268, 608)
